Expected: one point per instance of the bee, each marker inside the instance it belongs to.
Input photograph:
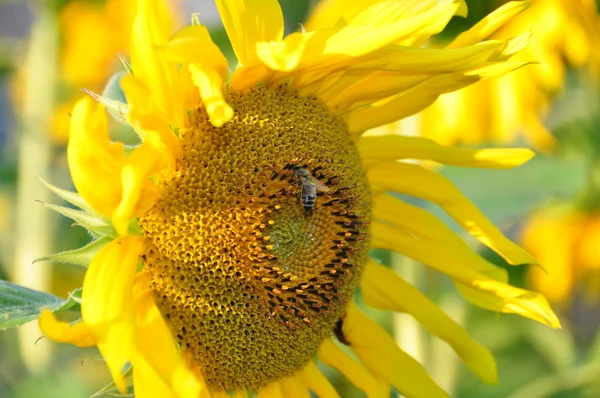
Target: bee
(309, 187)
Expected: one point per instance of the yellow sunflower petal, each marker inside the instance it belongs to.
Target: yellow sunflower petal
(404, 104)
(489, 24)
(480, 289)
(294, 388)
(405, 67)
(95, 163)
(463, 9)
(143, 116)
(497, 69)
(193, 45)
(335, 48)
(210, 84)
(330, 13)
(360, 87)
(107, 302)
(327, 13)
(418, 59)
(333, 356)
(378, 13)
(432, 232)
(415, 180)
(207, 66)
(150, 31)
(250, 22)
(380, 287)
(79, 334)
(500, 297)
(283, 55)
(380, 354)
(312, 377)
(248, 77)
(513, 46)
(143, 162)
(109, 182)
(271, 390)
(158, 367)
(379, 149)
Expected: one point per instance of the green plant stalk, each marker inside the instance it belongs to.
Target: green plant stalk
(443, 360)
(407, 331)
(33, 231)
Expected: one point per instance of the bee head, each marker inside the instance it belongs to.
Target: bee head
(301, 172)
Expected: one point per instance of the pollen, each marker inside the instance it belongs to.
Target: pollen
(249, 277)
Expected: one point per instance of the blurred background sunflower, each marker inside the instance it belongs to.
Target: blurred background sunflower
(551, 205)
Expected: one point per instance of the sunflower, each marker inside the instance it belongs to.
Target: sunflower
(564, 34)
(108, 26)
(231, 241)
(81, 22)
(565, 238)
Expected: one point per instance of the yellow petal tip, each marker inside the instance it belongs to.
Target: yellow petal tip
(508, 157)
(78, 334)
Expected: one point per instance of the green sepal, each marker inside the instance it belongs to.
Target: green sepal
(126, 64)
(71, 197)
(111, 388)
(97, 225)
(117, 109)
(195, 19)
(81, 256)
(113, 98)
(72, 303)
(20, 305)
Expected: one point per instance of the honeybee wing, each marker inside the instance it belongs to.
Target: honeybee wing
(320, 186)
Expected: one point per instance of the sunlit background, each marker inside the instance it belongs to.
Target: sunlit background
(51, 50)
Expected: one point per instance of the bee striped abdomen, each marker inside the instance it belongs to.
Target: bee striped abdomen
(309, 188)
(308, 197)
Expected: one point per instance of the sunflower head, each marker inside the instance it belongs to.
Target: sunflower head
(249, 280)
(254, 198)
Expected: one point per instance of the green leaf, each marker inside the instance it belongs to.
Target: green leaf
(96, 224)
(19, 305)
(81, 256)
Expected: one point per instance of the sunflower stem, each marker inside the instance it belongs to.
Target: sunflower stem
(407, 331)
(444, 362)
(33, 229)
